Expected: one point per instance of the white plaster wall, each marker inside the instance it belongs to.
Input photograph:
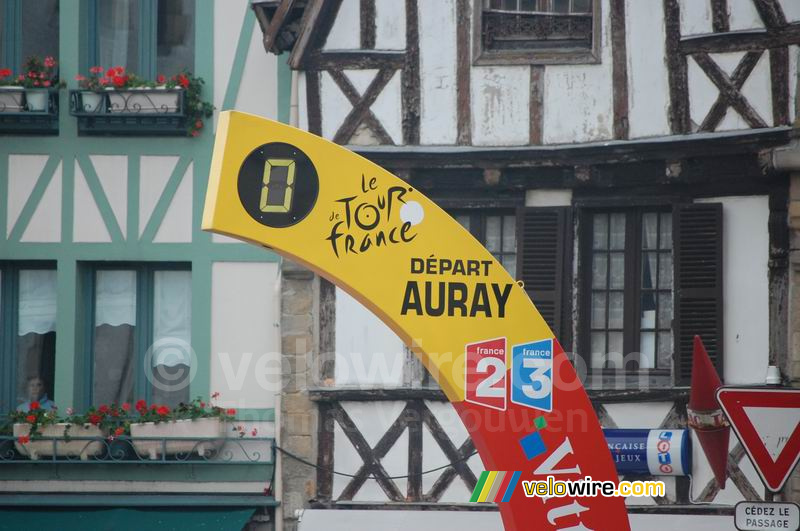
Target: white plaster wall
(578, 100)
(335, 105)
(695, 16)
(791, 8)
(648, 90)
(23, 173)
(437, 34)
(500, 105)
(258, 90)
(176, 227)
(390, 24)
(89, 225)
(746, 287)
(346, 30)
(228, 17)
(368, 353)
(45, 224)
(743, 15)
(388, 108)
(548, 197)
(154, 174)
(112, 172)
(245, 334)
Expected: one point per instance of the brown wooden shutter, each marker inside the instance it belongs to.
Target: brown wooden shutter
(698, 284)
(544, 264)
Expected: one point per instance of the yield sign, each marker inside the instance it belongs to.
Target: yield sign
(767, 423)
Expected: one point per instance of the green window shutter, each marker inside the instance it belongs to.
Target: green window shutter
(544, 264)
(698, 285)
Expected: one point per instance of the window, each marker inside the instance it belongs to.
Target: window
(147, 37)
(649, 280)
(630, 290)
(497, 231)
(537, 31)
(26, 29)
(141, 333)
(27, 333)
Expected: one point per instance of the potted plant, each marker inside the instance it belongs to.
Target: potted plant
(160, 430)
(37, 423)
(127, 93)
(39, 77)
(91, 86)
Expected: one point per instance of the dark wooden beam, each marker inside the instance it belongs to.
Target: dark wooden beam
(414, 484)
(779, 79)
(344, 395)
(361, 106)
(729, 91)
(678, 70)
(619, 56)
(720, 18)
(315, 26)
(275, 25)
(537, 105)
(771, 13)
(367, 8)
(463, 67)
(743, 70)
(325, 452)
(313, 102)
(411, 96)
(356, 60)
(741, 41)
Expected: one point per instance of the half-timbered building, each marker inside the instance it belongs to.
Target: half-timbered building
(630, 161)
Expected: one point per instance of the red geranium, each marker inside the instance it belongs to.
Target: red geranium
(126, 407)
(31, 419)
(23, 439)
(230, 411)
(96, 70)
(183, 81)
(119, 431)
(141, 405)
(160, 79)
(163, 411)
(103, 409)
(119, 80)
(5, 72)
(95, 419)
(34, 405)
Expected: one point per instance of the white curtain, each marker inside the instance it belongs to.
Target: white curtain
(172, 318)
(117, 33)
(37, 301)
(115, 298)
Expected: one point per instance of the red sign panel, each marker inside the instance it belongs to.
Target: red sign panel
(767, 423)
(486, 373)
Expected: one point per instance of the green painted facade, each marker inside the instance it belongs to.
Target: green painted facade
(68, 148)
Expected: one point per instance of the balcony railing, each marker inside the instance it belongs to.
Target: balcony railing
(143, 112)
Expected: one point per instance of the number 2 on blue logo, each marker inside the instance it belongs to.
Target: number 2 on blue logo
(532, 374)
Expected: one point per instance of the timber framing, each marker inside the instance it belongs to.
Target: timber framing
(776, 37)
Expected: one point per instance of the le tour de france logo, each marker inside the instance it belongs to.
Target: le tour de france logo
(377, 216)
(278, 185)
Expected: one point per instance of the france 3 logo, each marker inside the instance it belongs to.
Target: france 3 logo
(531, 374)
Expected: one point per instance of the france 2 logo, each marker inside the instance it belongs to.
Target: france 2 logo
(532, 375)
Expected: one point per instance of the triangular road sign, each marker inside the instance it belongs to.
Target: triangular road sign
(767, 423)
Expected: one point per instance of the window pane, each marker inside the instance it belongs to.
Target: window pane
(647, 351)
(581, 6)
(39, 32)
(510, 4)
(509, 234)
(114, 329)
(648, 310)
(649, 264)
(665, 271)
(172, 329)
(615, 355)
(493, 233)
(598, 310)
(118, 34)
(650, 231)
(463, 220)
(665, 310)
(617, 231)
(175, 46)
(665, 230)
(510, 264)
(36, 337)
(561, 6)
(527, 5)
(600, 231)
(665, 350)
(615, 310)
(598, 350)
(599, 271)
(617, 276)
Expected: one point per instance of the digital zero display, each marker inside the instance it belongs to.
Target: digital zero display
(278, 184)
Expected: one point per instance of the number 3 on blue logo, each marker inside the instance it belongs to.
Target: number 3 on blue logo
(532, 374)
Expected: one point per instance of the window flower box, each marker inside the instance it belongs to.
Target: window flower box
(12, 99)
(66, 447)
(145, 101)
(177, 437)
